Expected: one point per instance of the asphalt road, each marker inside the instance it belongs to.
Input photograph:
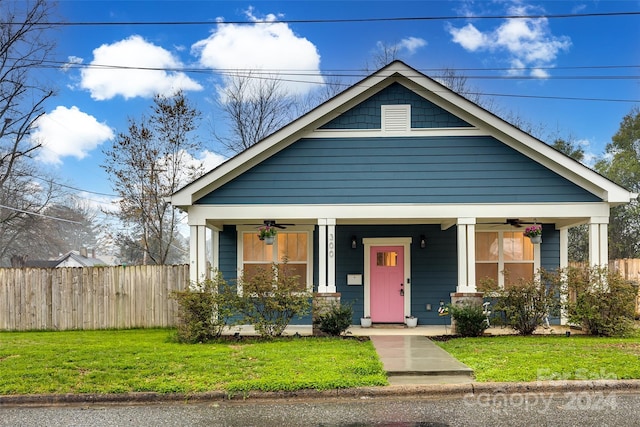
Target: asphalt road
(584, 408)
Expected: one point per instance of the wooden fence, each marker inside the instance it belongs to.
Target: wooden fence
(89, 298)
(628, 268)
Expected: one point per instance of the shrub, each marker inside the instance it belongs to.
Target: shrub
(469, 319)
(204, 309)
(600, 300)
(270, 298)
(526, 304)
(336, 319)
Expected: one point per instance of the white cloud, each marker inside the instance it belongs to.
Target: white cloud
(68, 132)
(265, 45)
(528, 42)
(72, 60)
(210, 160)
(97, 203)
(134, 52)
(205, 161)
(469, 37)
(411, 44)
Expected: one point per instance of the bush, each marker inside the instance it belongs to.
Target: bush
(526, 304)
(469, 319)
(600, 300)
(336, 319)
(270, 298)
(203, 310)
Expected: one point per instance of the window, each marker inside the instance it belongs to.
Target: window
(293, 246)
(506, 252)
(387, 259)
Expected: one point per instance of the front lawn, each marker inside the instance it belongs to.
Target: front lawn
(534, 358)
(149, 360)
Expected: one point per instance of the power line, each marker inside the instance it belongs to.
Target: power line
(51, 181)
(276, 74)
(39, 214)
(345, 20)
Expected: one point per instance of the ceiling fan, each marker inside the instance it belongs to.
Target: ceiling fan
(514, 222)
(272, 223)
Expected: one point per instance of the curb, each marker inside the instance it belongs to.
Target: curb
(422, 391)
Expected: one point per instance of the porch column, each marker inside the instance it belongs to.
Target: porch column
(197, 253)
(215, 248)
(564, 247)
(598, 242)
(466, 255)
(322, 255)
(331, 255)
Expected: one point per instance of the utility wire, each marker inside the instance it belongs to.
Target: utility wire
(39, 214)
(339, 21)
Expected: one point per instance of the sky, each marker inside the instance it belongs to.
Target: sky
(572, 76)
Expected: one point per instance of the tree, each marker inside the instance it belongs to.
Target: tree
(24, 47)
(146, 165)
(255, 107)
(622, 165)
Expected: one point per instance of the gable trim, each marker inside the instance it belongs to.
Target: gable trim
(434, 92)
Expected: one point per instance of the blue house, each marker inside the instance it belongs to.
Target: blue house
(397, 194)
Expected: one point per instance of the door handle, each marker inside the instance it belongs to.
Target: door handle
(401, 292)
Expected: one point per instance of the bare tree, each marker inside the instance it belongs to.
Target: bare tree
(255, 106)
(24, 48)
(146, 165)
(384, 54)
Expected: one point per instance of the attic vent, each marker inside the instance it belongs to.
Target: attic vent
(396, 118)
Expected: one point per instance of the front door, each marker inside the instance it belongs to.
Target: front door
(387, 284)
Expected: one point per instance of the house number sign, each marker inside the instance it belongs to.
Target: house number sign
(331, 244)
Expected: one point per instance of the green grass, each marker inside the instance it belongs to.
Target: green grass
(518, 358)
(149, 360)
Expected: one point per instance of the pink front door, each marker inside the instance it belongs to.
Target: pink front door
(387, 284)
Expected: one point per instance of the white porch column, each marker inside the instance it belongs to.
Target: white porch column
(197, 253)
(564, 247)
(322, 255)
(331, 255)
(598, 241)
(215, 248)
(466, 255)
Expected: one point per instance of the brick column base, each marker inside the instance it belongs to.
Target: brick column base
(320, 305)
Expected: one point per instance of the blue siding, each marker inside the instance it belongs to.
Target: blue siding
(228, 260)
(398, 170)
(433, 269)
(550, 248)
(367, 114)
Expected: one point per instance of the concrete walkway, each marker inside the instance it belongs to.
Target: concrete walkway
(412, 359)
(408, 356)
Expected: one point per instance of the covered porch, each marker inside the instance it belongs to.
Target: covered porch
(441, 254)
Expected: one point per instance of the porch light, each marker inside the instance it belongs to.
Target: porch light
(423, 241)
(354, 242)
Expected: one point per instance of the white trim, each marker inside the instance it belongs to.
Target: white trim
(291, 229)
(368, 243)
(400, 213)
(598, 243)
(369, 133)
(432, 91)
(215, 248)
(331, 255)
(322, 255)
(501, 261)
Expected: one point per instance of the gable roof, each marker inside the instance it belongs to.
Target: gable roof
(80, 259)
(434, 92)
